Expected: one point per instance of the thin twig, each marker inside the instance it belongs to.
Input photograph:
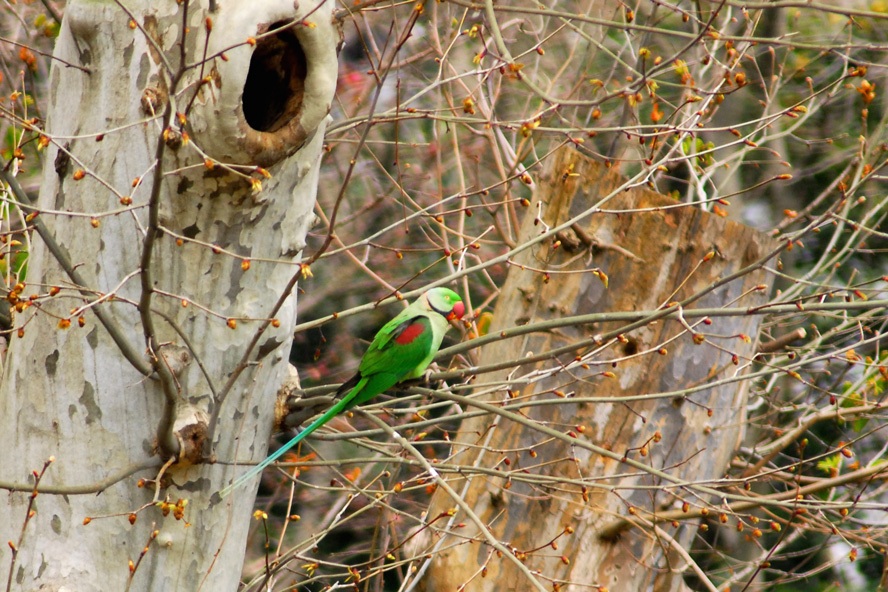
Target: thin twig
(459, 501)
(105, 318)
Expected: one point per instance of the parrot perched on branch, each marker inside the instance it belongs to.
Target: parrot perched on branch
(401, 350)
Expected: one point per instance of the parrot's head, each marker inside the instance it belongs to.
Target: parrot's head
(445, 302)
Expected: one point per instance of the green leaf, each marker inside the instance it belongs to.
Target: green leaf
(831, 464)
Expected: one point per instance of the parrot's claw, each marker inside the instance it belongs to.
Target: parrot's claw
(424, 381)
(428, 381)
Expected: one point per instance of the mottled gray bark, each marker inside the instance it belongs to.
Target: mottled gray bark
(221, 252)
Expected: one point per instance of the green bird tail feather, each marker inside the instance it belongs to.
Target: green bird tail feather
(327, 416)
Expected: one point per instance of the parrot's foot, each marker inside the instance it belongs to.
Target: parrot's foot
(404, 386)
(424, 381)
(427, 380)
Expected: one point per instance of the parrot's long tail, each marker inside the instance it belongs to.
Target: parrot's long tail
(327, 416)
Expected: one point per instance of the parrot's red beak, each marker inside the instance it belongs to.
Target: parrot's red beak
(459, 309)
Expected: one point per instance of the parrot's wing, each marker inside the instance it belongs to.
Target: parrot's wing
(398, 349)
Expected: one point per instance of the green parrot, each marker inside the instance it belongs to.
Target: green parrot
(401, 350)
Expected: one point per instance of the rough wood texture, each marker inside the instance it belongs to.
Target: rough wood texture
(651, 251)
(70, 393)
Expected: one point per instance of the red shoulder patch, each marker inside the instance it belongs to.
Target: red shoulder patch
(409, 333)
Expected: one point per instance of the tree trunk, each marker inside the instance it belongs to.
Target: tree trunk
(653, 251)
(184, 248)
